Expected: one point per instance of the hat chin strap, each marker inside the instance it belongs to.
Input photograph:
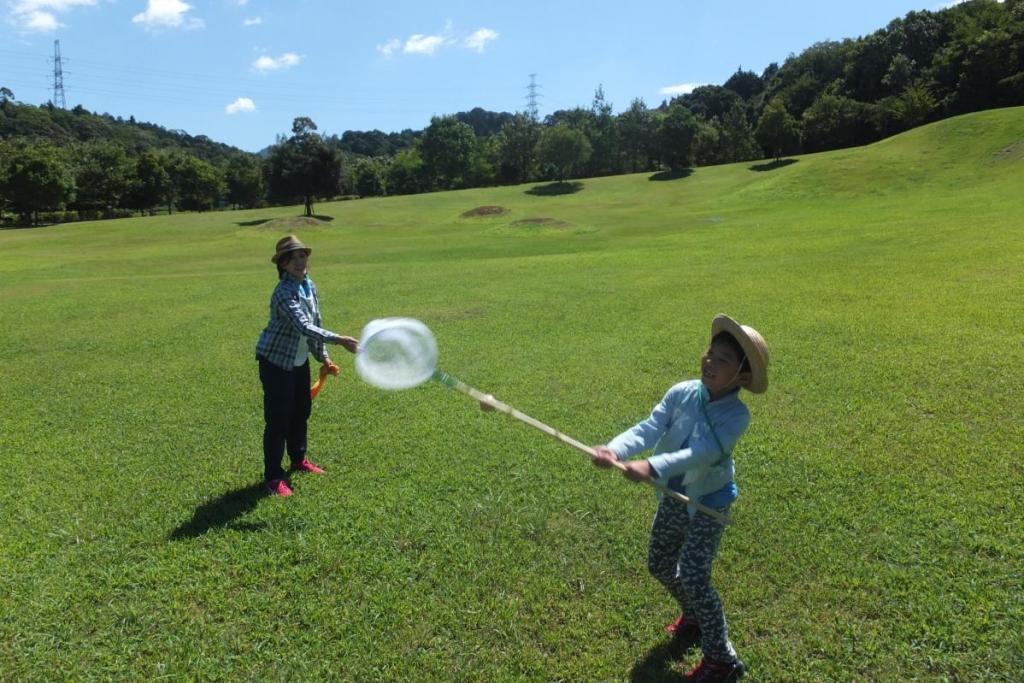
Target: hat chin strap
(739, 371)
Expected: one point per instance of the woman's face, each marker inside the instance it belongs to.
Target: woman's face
(295, 264)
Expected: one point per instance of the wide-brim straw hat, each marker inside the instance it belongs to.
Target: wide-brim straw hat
(288, 244)
(753, 345)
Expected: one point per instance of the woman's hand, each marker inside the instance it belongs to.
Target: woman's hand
(329, 368)
(350, 344)
(604, 457)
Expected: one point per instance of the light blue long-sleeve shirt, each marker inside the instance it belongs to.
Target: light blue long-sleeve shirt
(683, 443)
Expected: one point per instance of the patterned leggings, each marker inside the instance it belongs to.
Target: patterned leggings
(679, 557)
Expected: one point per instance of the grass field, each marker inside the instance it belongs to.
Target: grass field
(878, 533)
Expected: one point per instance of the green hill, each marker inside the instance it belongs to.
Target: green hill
(877, 533)
(65, 128)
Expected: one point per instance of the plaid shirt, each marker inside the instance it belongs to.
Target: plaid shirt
(289, 323)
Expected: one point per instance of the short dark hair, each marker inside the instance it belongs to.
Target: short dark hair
(731, 342)
(281, 261)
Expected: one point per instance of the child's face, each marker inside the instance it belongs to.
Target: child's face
(720, 369)
(296, 263)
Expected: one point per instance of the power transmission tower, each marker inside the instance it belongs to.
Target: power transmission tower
(58, 78)
(531, 97)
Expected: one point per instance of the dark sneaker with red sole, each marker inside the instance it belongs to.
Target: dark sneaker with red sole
(712, 671)
(683, 627)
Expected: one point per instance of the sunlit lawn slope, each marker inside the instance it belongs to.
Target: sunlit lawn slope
(878, 533)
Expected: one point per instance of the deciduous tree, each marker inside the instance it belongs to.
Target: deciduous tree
(303, 167)
(746, 84)
(151, 184)
(367, 177)
(834, 122)
(197, 185)
(406, 174)
(676, 133)
(447, 148)
(563, 149)
(244, 179)
(517, 147)
(638, 131)
(777, 132)
(37, 178)
(102, 176)
(737, 136)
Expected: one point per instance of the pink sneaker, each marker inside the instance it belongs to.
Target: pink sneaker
(307, 466)
(279, 487)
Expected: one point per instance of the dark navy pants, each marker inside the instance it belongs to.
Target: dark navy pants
(286, 409)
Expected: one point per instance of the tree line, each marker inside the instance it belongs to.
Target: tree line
(920, 68)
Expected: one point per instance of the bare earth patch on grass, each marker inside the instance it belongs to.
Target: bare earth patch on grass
(293, 223)
(484, 211)
(1014, 151)
(541, 222)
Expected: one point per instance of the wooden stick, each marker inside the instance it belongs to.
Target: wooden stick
(460, 386)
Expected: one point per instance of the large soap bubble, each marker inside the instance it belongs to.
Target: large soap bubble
(396, 353)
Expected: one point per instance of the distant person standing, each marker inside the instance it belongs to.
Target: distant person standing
(283, 349)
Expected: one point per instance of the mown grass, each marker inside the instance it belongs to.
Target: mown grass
(878, 533)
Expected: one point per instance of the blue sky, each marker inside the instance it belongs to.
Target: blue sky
(239, 71)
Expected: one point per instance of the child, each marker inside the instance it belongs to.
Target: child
(283, 353)
(693, 430)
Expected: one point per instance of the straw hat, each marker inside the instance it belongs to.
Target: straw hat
(288, 244)
(753, 345)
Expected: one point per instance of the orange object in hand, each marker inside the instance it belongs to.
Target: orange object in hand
(325, 370)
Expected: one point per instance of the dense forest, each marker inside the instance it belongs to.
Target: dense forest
(58, 165)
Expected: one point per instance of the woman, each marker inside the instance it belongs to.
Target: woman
(283, 349)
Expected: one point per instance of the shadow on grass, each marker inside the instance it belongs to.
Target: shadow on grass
(555, 189)
(289, 220)
(772, 165)
(672, 175)
(656, 666)
(30, 226)
(222, 512)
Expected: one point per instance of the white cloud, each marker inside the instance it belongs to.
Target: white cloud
(40, 21)
(479, 39)
(429, 44)
(421, 44)
(681, 89)
(167, 14)
(41, 15)
(252, 21)
(265, 63)
(388, 48)
(241, 3)
(240, 105)
(25, 6)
